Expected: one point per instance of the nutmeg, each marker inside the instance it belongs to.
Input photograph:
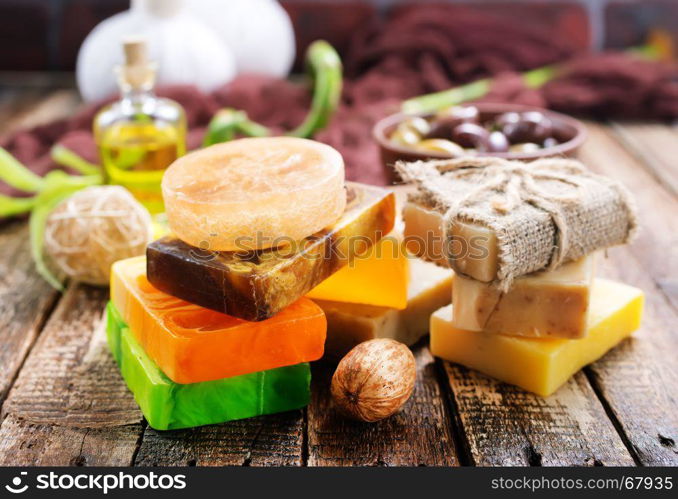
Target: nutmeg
(374, 380)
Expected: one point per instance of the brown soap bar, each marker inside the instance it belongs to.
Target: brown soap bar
(255, 285)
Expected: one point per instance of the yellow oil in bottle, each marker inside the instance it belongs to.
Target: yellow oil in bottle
(141, 134)
(135, 156)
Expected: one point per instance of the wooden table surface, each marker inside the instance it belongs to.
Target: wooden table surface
(64, 402)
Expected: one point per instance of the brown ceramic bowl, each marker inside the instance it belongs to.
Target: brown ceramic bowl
(574, 130)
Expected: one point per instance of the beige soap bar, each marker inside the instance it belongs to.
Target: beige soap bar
(348, 324)
(424, 233)
(474, 247)
(546, 304)
(474, 251)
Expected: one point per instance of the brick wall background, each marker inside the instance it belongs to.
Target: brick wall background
(46, 34)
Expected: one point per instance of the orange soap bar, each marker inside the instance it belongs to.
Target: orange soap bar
(191, 344)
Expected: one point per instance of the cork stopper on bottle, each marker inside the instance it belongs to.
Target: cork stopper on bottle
(136, 51)
(137, 71)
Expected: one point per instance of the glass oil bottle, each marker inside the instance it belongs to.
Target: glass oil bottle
(140, 135)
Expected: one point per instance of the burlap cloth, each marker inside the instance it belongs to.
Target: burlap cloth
(544, 213)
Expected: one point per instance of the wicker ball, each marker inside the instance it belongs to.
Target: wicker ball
(92, 229)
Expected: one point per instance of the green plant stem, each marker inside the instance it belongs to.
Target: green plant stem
(454, 96)
(37, 224)
(65, 157)
(10, 206)
(534, 78)
(324, 65)
(223, 126)
(253, 129)
(17, 175)
(540, 76)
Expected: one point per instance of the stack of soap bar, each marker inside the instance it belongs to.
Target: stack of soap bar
(379, 277)
(349, 324)
(541, 365)
(168, 405)
(192, 344)
(255, 285)
(543, 304)
(254, 193)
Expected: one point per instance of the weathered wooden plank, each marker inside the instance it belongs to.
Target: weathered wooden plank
(25, 301)
(655, 145)
(69, 402)
(16, 106)
(639, 379)
(48, 107)
(274, 440)
(23, 80)
(421, 434)
(657, 245)
(26, 444)
(507, 426)
(554, 430)
(70, 378)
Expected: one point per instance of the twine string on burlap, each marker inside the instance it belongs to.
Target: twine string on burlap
(512, 183)
(585, 211)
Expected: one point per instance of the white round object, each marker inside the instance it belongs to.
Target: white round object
(186, 50)
(258, 32)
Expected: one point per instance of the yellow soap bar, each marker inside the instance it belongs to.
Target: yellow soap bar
(377, 277)
(541, 365)
(544, 304)
(348, 324)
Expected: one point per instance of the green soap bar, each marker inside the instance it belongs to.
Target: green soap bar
(168, 405)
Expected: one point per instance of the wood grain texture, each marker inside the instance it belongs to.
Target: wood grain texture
(15, 105)
(52, 106)
(657, 244)
(639, 379)
(274, 440)
(26, 444)
(67, 405)
(507, 426)
(70, 377)
(25, 301)
(654, 145)
(420, 435)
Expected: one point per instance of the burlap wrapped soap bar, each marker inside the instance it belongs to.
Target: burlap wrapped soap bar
(504, 219)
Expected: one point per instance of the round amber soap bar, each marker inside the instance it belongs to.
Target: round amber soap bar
(254, 193)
